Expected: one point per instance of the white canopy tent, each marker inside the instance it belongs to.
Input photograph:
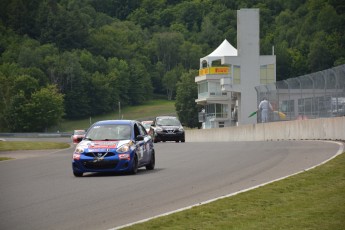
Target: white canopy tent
(224, 49)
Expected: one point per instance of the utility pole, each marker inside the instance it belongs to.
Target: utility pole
(119, 110)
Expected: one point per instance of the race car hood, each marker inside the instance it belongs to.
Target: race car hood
(101, 145)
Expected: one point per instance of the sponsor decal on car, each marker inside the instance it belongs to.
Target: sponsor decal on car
(103, 144)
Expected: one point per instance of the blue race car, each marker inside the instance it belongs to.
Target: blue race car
(114, 146)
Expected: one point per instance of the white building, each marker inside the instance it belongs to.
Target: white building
(228, 76)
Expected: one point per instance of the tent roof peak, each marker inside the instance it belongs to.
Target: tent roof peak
(224, 49)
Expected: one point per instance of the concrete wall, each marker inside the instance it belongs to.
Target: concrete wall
(313, 129)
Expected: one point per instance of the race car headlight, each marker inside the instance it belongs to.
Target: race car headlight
(123, 148)
(79, 150)
(181, 129)
(159, 129)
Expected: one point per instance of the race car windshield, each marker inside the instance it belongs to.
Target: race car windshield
(79, 132)
(109, 132)
(168, 122)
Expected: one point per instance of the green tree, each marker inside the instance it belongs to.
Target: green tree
(119, 77)
(141, 17)
(15, 115)
(186, 107)
(140, 88)
(65, 70)
(209, 33)
(5, 97)
(283, 61)
(77, 103)
(156, 78)
(28, 85)
(170, 80)
(189, 13)
(67, 29)
(8, 73)
(36, 73)
(20, 15)
(165, 46)
(166, 17)
(72, 80)
(190, 55)
(328, 20)
(320, 56)
(100, 94)
(43, 110)
(123, 40)
(298, 62)
(115, 8)
(28, 55)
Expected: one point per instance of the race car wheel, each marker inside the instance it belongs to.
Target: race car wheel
(182, 140)
(77, 174)
(134, 168)
(152, 163)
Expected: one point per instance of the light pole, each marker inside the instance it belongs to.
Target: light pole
(119, 110)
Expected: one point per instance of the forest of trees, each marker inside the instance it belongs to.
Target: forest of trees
(71, 59)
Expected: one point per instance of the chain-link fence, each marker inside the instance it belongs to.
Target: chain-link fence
(320, 94)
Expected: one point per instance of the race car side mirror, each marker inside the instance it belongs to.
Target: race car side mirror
(139, 138)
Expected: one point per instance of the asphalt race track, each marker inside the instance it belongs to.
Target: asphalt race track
(40, 192)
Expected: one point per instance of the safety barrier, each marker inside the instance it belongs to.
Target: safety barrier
(313, 129)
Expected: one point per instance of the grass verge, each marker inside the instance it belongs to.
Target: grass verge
(147, 111)
(27, 145)
(5, 158)
(311, 200)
